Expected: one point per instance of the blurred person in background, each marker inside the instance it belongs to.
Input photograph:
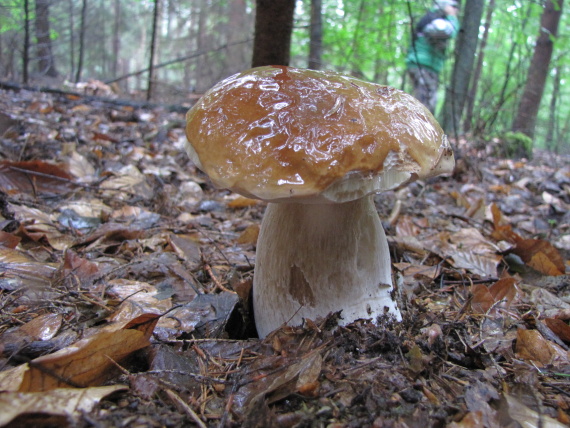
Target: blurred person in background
(427, 53)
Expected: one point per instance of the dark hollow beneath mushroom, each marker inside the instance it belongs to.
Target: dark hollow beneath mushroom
(317, 146)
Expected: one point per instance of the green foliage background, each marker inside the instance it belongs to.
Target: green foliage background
(369, 39)
(365, 38)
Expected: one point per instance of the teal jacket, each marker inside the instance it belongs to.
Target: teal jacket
(425, 55)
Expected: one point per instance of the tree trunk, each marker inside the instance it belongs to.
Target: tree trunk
(152, 50)
(273, 29)
(82, 27)
(236, 32)
(46, 62)
(71, 30)
(456, 93)
(26, 53)
(551, 140)
(525, 120)
(316, 35)
(508, 76)
(478, 68)
(202, 70)
(116, 37)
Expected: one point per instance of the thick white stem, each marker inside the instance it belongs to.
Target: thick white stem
(315, 259)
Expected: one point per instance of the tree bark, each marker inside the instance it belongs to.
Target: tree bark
(116, 37)
(82, 29)
(456, 93)
(478, 68)
(152, 51)
(26, 53)
(273, 29)
(236, 32)
(316, 35)
(71, 48)
(46, 63)
(508, 76)
(551, 140)
(525, 120)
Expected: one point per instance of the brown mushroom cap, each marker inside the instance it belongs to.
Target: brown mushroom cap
(278, 133)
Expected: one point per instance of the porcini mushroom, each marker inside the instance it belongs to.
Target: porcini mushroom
(317, 146)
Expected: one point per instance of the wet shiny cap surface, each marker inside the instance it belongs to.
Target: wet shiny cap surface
(277, 133)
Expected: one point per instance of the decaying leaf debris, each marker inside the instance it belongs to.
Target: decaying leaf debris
(120, 265)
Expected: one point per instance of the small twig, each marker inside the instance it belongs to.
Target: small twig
(472, 281)
(228, 406)
(395, 214)
(560, 390)
(176, 398)
(216, 281)
(199, 378)
(214, 243)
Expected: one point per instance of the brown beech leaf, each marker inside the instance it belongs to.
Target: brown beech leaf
(242, 202)
(136, 298)
(186, 247)
(406, 226)
(498, 295)
(80, 267)
(471, 250)
(504, 289)
(559, 327)
(21, 270)
(502, 231)
(88, 362)
(470, 420)
(64, 402)
(305, 372)
(532, 346)
(38, 226)
(34, 177)
(498, 219)
(505, 233)
(249, 235)
(43, 327)
(524, 416)
(460, 199)
(104, 137)
(541, 256)
(7, 240)
(417, 271)
(482, 299)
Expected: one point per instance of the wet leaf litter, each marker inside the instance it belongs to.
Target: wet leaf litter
(111, 236)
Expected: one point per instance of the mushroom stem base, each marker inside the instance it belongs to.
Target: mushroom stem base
(316, 259)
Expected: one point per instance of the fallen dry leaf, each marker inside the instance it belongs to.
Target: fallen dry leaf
(43, 327)
(482, 300)
(69, 403)
(559, 327)
(527, 417)
(541, 256)
(470, 420)
(532, 346)
(242, 202)
(34, 177)
(8, 240)
(470, 250)
(86, 363)
(504, 290)
(249, 235)
(498, 296)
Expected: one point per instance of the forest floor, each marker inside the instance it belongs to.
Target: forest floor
(125, 278)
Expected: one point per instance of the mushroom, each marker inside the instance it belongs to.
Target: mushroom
(316, 146)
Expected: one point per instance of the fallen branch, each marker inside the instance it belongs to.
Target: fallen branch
(92, 98)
